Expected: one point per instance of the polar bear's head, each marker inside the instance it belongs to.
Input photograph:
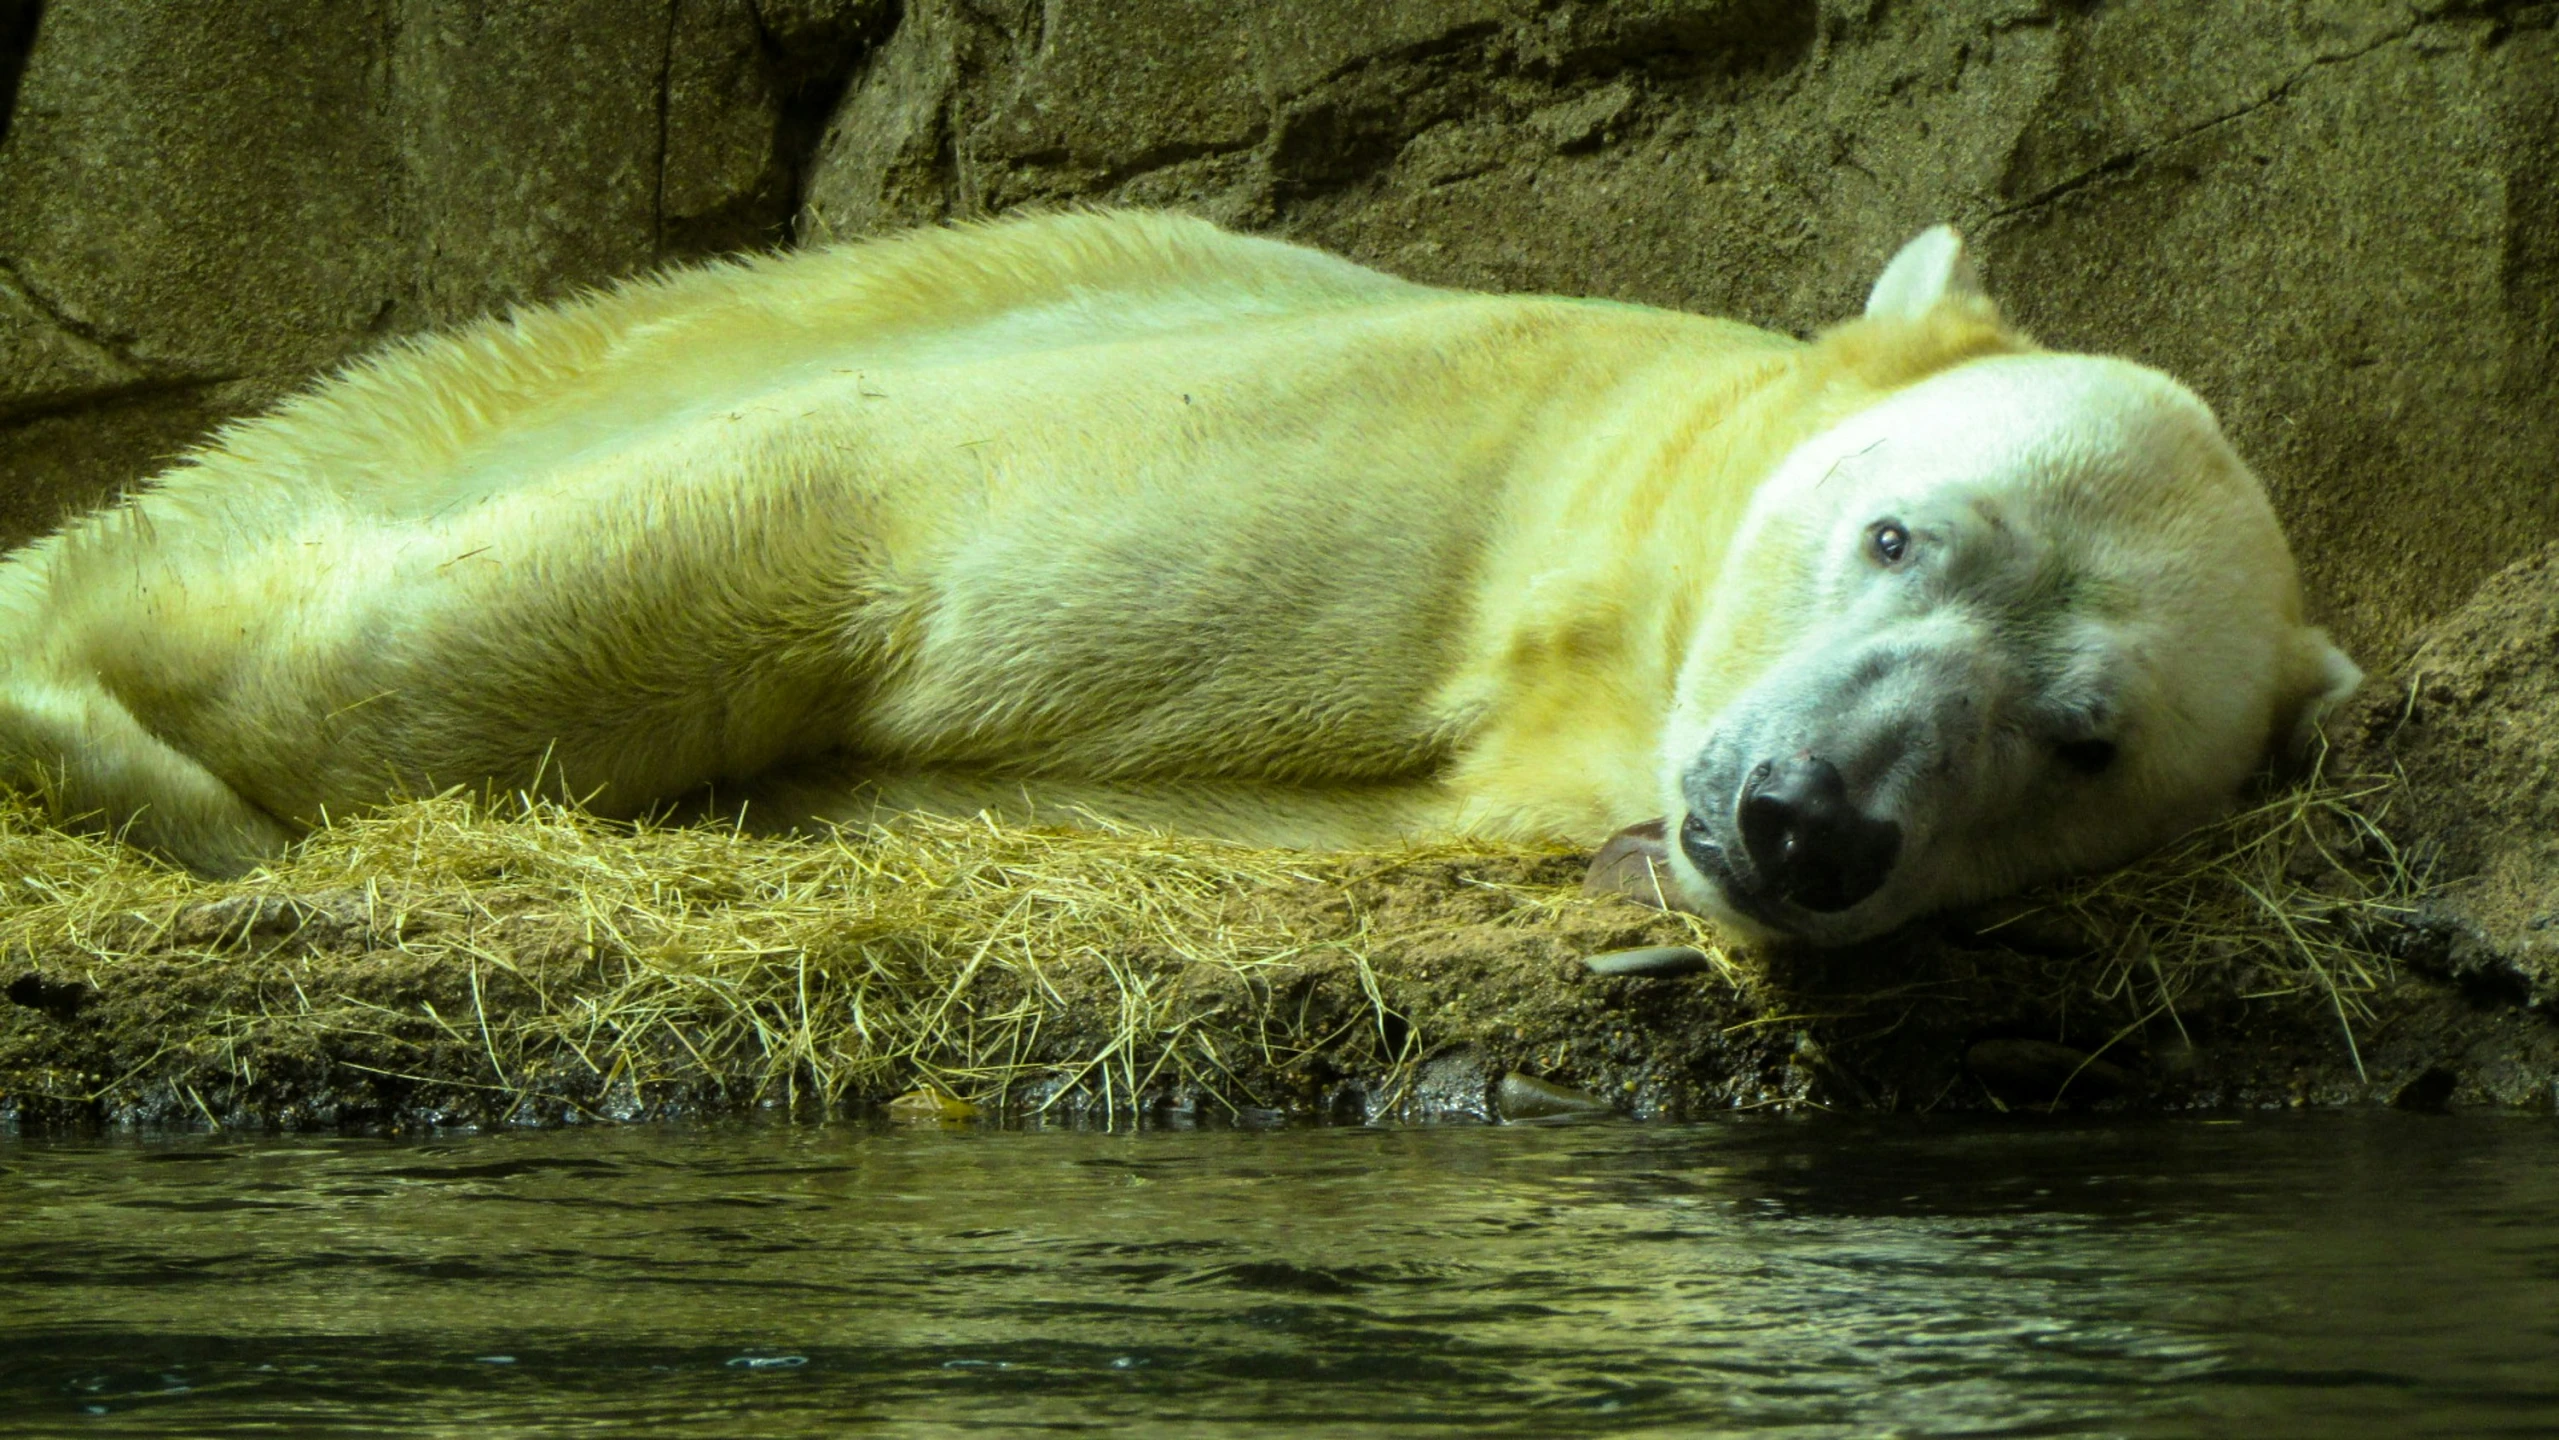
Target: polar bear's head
(2027, 615)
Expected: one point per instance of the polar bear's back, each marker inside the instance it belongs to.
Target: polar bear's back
(429, 428)
(444, 419)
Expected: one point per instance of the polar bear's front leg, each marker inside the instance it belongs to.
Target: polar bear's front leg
(99, 768)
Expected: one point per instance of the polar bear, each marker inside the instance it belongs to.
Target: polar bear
(1119, 513)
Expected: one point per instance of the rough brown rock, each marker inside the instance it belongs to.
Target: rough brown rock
(202, 205)
(2470, 720)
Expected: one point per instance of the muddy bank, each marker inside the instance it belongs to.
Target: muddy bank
(435, 967)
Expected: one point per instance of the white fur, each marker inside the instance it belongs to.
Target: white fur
(1932, 269)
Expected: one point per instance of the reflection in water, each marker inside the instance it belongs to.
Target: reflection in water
(2323, 1275)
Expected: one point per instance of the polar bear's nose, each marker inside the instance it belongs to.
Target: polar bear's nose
(1808, 841)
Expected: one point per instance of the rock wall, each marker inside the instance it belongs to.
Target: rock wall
(2338, 219)
(203, 204)
(2472, 725)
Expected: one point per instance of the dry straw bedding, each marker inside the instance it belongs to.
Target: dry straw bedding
(544, 964)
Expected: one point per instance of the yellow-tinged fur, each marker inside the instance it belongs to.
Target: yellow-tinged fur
(1102, 510)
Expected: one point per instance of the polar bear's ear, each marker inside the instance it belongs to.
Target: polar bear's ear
(2325, 678)
(1932, 268)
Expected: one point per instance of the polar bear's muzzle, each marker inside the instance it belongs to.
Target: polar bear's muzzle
(1816, 805)
(1803, 842)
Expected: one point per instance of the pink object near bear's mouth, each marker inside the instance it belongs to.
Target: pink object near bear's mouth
(1634, 863)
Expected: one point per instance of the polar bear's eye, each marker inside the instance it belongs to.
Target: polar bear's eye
(1890, 541)
(2088, 757)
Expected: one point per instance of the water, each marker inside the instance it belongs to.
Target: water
(2328, 1275)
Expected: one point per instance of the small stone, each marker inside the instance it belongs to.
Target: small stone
(1451, 1087)
(1650, 960)
(1525, 1097)
(1633, 864)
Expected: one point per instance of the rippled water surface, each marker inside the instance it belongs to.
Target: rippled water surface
(2328, 1275)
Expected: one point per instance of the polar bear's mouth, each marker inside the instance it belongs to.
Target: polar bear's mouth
(1636, 862)
(1713, 861)
(1798, 844)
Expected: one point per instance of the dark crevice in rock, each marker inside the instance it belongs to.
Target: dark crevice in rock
(1342, 132)
(115, 346)
(1766, 36)
(1175, 153)
(2526, 14)
(1466, 44)
(2530, 253)
(2444, 946)
(666, 80)
(115, 397)
(1349, 128)
(2431, 1091)
(151, 380)
(812, 54)
(61, 999)
(963, 201)
(2129, 159)
(17, 38)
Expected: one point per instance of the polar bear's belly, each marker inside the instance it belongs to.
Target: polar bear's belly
(1068, 643)
(1205, 561)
